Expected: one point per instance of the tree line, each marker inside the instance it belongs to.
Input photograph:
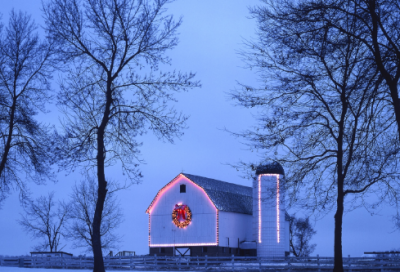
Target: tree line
(53, 221)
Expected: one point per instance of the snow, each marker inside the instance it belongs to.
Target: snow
(20, 269)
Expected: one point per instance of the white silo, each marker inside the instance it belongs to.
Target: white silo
(269, 211)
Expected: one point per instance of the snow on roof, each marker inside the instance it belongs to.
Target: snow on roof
(270, 167)
(228, 197)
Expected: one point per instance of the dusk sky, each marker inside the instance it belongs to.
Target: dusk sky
(211, 35)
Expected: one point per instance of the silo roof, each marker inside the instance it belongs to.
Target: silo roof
(271, 167)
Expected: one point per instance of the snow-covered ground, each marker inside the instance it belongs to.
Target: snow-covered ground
(19, 269)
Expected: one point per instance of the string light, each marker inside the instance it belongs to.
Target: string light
(189, 244)
(169, 185)
(259, 209)
(156, 199)
(149, 229)
(277, 207)
(217, 227)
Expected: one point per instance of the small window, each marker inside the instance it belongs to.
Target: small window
(162, 250)
(183, 188)
(204, 249)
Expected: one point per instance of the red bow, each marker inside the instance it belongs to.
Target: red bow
(180, 211)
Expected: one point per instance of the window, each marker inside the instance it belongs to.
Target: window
(183, 188)
(204, 249)
(162, 250)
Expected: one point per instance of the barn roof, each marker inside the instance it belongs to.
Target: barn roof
(228, 197)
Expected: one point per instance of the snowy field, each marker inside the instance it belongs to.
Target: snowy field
(19, 269)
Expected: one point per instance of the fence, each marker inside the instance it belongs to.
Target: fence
(233, 263)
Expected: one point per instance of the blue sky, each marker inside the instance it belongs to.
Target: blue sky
(210, 36)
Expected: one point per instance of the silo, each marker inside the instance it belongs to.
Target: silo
(269, 210)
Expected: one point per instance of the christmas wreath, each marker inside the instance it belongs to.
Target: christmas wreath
(181, 216)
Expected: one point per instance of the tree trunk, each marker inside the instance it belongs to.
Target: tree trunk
(338, 255)
(102, 184)
(396, 103)
(391, 82)
(9, 138)
(101, 196)
(50, 245)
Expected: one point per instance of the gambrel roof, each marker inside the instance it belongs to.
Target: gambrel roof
(225, 196)
(228, 197)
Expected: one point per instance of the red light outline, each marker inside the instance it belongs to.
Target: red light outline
(149, 230)
(277, 210)
(162, 191)
(217, 227)
(259, 209)
(168, 185)
(189, 244)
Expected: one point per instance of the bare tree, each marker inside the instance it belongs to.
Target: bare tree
(25, 74)
(81, 211)
(377, 24)
(113, 92)
(325, 114)
(300, 234)
(45, 218)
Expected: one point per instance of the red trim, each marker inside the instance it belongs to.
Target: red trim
(217, 227)
(163, 189)
(180, 245)
(149, 231)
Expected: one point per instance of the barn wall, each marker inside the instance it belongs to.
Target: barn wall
(203, 251)
(287, 236)
(202, 229)
(234, 226)
(161, 251)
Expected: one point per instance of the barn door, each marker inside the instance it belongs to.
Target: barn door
(182, 251)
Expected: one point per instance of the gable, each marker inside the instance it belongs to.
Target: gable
(201, 230)
(175, 183)
(223, 195)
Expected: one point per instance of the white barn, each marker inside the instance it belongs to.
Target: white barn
(194, 215)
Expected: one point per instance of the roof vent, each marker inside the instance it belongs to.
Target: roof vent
(271, 167)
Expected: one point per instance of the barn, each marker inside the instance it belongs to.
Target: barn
(197, 216)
